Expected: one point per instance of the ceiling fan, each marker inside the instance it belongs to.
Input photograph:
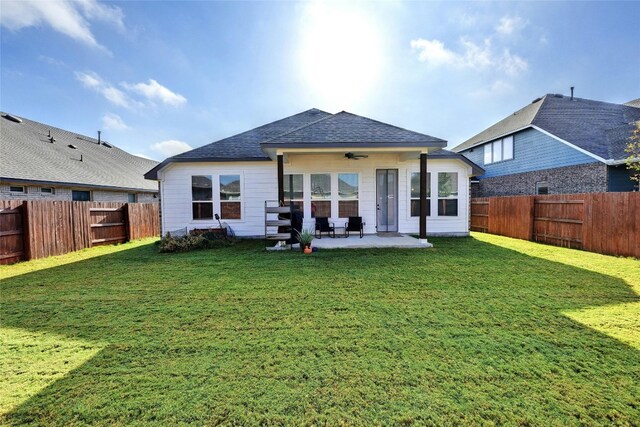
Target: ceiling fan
(355, 156)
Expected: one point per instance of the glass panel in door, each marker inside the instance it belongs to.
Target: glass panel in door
(387, 200)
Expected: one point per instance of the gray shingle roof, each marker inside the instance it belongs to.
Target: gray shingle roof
(309, 127)
(246, 145)
(601, 128)
(27, 154)
(347, 128)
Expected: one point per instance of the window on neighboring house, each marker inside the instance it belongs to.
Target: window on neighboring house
(80, 195)
(348, 195)
(47, 190)
(17, 189)
(499, 150)
(542, 187)
(131, 197)
(415, 194)
(230, 197)
(320, 195)
(293, 191)
(202, 196)
(448, 194)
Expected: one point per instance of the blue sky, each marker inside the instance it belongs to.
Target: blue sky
(159, 77)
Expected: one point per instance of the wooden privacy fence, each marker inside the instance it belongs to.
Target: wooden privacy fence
(38, 229)
(607, 223)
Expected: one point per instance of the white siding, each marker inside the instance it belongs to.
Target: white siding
(33, 192)
(259, 183)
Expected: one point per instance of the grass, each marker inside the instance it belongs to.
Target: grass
(483, 330)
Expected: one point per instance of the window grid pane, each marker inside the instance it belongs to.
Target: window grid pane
(320, 208)
(229, 187)
(487, 154)
(507, 148)
(202, 210)
(201, 188)
(497, 151)
(230, 210)
(348, 187)
(320, 186)
(347, 208)
(448, 184)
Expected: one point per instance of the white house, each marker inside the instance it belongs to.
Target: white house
(326, 165)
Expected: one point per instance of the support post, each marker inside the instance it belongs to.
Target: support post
(423, 196)
(280, 179)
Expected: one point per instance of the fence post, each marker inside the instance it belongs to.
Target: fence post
(126, 211)
(26, 232)
(532, 215)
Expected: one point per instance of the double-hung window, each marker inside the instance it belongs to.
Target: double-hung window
(448, 194)
(348, 195)
(230, 197)
(293, 191)
(320, 195)
(415, 194)
(202, 196)
(498, 150)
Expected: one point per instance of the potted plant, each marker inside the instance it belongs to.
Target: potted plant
(305, 237)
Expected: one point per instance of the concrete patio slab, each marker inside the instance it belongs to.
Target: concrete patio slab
(394, 240)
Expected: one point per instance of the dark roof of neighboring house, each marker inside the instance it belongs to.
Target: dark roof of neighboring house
(303, 129)
(28, 155)
(600, 128)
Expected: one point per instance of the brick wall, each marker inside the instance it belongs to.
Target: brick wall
(587, 178)
(34, 192)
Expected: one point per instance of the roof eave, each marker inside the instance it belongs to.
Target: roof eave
(153, 173)
(76, 184)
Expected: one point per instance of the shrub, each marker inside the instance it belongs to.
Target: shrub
(196, 239)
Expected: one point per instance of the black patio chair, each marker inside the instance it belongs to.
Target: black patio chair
(324, 226)
(355, 223)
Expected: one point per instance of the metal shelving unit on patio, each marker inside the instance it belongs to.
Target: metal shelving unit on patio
(276, 226)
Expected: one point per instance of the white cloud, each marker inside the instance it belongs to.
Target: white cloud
(112, 121)
(473, 56)
(154, 91)
(497, 88)
(510, 24)
(69, 17)
(433, 52)
(112, 94)
(171, 147)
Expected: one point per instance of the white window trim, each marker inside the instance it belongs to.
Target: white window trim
(52, 192)
(457, 197)
(491, 145)
(333, 185)
(429, 198)
(23, 191)
(546, 184)
(217, 198)
(303, 192)
(202, 201)
(337, 193)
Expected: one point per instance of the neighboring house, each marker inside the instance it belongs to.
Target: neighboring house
(327, 165)
(557, 144)
(39, 161)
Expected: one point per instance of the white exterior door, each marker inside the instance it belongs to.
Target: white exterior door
(387, 200)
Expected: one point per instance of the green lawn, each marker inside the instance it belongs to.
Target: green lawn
(482, 330)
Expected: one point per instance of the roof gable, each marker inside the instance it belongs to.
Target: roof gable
(348, 128)
(600, 128)
(28, 154)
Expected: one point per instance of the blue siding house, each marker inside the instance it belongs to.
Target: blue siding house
(556, 144)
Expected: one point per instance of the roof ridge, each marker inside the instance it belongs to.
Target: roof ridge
(535, 116)
(301, 127)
